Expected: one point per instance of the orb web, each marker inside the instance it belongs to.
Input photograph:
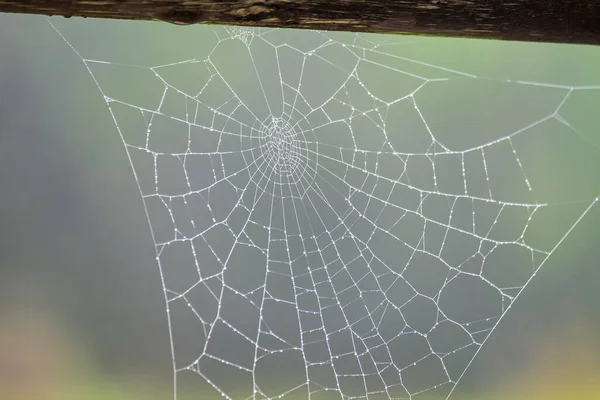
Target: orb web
(325, 225)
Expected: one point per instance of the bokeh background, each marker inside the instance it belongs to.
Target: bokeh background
(82, 314)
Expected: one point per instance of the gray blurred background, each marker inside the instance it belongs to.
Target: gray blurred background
(81, 303)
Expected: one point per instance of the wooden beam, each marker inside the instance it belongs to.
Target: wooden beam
(566, 21)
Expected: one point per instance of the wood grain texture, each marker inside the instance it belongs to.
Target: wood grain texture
(567, 21)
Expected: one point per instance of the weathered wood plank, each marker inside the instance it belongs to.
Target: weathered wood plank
(568, 21)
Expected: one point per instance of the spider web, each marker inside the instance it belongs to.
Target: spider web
(324, 226)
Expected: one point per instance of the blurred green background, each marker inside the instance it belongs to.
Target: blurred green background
(81, 305)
